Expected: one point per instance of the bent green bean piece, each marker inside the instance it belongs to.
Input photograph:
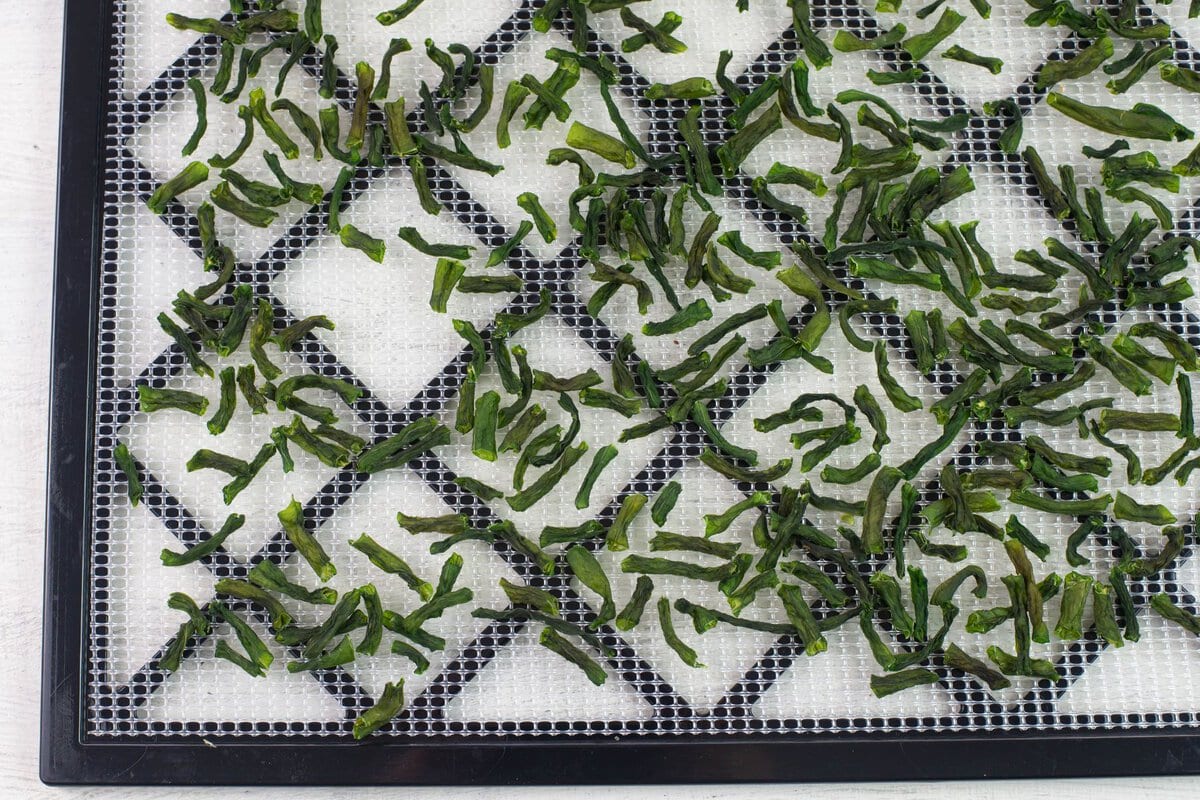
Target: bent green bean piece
(413, 238)
(1084, 62)
(847, 42)
(719, 523)
(631, 614)
(589, 572)
(391, 701)
(191, 176)
(922, 44)
(687, 317)
(600, 460)
(955, 658)
(617, 537)
(990, 63)
(205, 548)
(555, 643)
(292, 520)
(526, 498)
(260, 655)
(524, 595)
(882, 485)
(899, 398)
(665, 502)
(1126, 507)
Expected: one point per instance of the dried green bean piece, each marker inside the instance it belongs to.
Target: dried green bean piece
(1076, 589)
(714, 461)
(292, 520)
(1112, 419)
(723, 574)
(719, 523)
(208, 27)
(600, 460)
(990, 63)
(847, 42)
(392, 564)
(503, 252)
(1073, 508)
(352, 237)
(391, 701)
(1126, 507)
(555, 643)
(128, 466)
(882, 485)
(151, 399)
(1082, 63)
(884, 685)
(868, 464)
(1126, 373)
(950, 431)
(1105, 617)
(609, 148)
(814, 48)
(1168, 610)
(413, 238)
(205, 548)
(687, 89)
(617, 537)
(668, 495)
(667, 541)
(738, 147)
(464, 159)
(901, 399)
(631, 614)
(552, 534)
(524, 499)
(514, 97)
(1143, 121)
(922, 44)
(446, 276)
(531, 596)
(955, 658)
(243, 590)
(191, 176)
(589, 572)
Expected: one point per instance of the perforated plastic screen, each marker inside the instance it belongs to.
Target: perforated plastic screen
(495, 677)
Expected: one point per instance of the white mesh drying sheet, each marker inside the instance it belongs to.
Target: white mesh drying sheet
(494, 677)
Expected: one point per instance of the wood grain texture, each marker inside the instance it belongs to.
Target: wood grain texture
(28, 132)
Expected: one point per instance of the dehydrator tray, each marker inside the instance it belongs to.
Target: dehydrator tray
(494, 707)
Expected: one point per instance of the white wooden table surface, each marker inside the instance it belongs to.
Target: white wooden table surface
(29, 76)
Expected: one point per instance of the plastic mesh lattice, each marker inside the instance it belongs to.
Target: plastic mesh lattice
(493, 678)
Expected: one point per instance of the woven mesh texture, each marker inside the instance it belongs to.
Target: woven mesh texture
(494, 678)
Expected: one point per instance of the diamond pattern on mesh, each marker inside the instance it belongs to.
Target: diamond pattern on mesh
(763, 685)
